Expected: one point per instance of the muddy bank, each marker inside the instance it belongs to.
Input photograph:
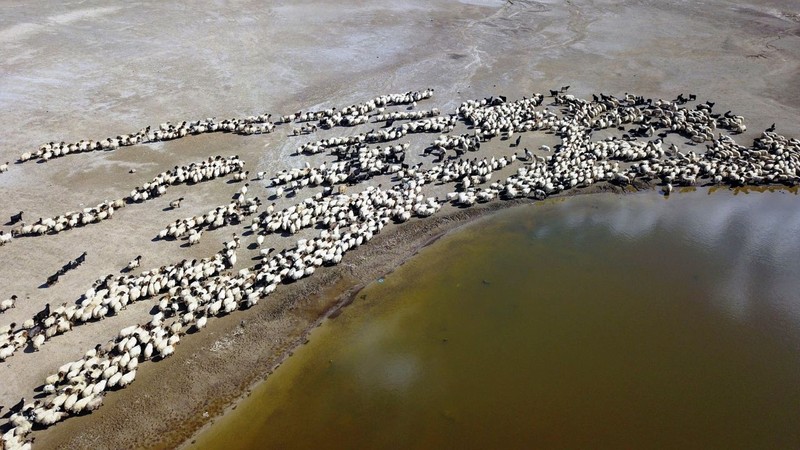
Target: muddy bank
(173, 399)
(465, 50)
(607, 321)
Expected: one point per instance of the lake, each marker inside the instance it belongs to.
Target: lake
(603, 321)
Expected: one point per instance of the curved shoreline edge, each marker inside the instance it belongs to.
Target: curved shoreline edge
(452, 47)
(169, 406)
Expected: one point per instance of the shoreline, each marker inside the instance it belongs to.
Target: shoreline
(285, 320)
(187, 407)
(169, 405)
(449, 223)
(434, 348)
(355, 52)
(444, 225)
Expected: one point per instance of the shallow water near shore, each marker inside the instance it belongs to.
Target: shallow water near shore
(604, 321)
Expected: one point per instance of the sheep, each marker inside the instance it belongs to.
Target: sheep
(201, 291)
(81, 259)
(37, 341)
(16, 218)
(134, 263)
(175, 204)
(52, 280)
(195, 236)
(50, 417)
(200, 323)
(8, 303)
(127, 378)
(6, 351)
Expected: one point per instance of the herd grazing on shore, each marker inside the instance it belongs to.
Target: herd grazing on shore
(366, 183)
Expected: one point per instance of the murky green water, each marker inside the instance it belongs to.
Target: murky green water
(603, 322)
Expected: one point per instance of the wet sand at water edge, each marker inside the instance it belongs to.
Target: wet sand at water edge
(75, 71)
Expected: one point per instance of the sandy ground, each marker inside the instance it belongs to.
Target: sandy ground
(92, 69)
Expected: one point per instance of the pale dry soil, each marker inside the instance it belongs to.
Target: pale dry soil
(94, 69)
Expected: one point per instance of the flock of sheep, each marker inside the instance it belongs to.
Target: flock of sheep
(189, 293)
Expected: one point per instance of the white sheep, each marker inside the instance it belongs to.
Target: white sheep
(134, 263)
(8, 303)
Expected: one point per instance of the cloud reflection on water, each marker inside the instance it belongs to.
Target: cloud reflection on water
(753, 238)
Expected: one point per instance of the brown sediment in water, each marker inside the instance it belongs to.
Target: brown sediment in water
(549, 351)
(229, 79)
(171, 401)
